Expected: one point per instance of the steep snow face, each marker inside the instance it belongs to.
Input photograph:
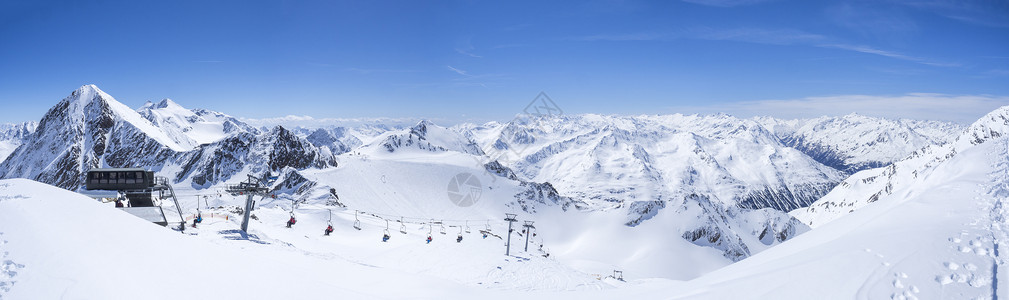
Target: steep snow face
(854, 142)
(86, 130)
(12, 135)
(873, 185)
(191, 128)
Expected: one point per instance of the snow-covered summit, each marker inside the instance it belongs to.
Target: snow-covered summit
(85, 130)
(191, 128)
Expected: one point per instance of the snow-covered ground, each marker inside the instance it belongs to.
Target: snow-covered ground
(939, 241)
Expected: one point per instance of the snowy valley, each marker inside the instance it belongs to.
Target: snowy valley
(684, 206)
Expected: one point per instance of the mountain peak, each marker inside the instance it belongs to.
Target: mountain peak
(166, 103)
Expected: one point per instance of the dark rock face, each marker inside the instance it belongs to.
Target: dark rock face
(89, 129)
(785, 198)
(271, 151)
(498, 169)
(294, 183)
(81, 132)
(544, 194)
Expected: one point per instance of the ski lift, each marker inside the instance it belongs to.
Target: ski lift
(443, 227)
(488, 226)
(402, 226)
(357, 222)
(430, 227)
(467, 226)
(459, 238)
(385, 234)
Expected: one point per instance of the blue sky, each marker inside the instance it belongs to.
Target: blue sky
(476, 61)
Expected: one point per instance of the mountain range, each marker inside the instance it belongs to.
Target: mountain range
(715, 180)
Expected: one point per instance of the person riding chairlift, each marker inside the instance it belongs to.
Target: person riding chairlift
(385, 238)
(329, 229)
(458, 239)
(119, 203)
(291, 222)
(429, 239)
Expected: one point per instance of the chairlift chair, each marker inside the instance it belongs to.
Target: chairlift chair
(385, 235)
(402, 226)
(357, 222)
(467, 226)
(443, 227)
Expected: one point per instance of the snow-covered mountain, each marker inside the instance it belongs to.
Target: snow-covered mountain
(615, 161)
(191, 128)
(853, 142)
(88, 129)
(878, 184)
(12, 135)
(717, 183)
(247, 153)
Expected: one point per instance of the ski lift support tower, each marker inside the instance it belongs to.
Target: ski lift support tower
(251, 187)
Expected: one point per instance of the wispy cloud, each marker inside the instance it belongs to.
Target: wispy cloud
(756, 35)
(783, 37)
(890, 54)
(467, 52)
(209, 61)
(977, 12)
(458, 71)
(963, 109)
(883, 22)
(466, 48)
(727, 3)
(623, 37)
(374, 71)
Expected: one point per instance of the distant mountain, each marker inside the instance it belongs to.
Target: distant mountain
(271, 151)
(12, 135)
(879, 184)
(191, 128)
(854, 142)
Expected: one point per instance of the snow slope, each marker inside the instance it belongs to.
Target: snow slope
(939, 239)
(873, 185)
(853, 142)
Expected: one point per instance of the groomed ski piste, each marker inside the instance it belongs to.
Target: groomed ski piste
(937, 240)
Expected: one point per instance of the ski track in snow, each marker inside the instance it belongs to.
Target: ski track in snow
(981, 239)
(8, 268)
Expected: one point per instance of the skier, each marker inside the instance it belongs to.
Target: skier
(429, 239)
(385, 238)
(329, 229)
(291, 222)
